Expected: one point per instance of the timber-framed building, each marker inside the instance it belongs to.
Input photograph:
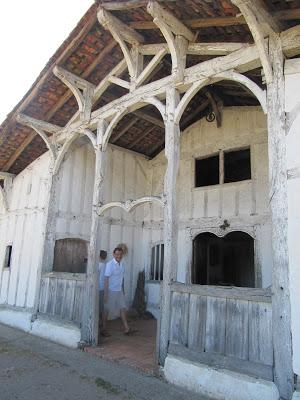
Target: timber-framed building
(172, 127)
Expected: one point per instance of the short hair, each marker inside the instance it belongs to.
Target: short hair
(118, 249)
(103, 254)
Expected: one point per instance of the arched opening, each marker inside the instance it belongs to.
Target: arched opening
(224, 261)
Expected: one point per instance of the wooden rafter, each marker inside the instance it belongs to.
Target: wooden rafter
(81, 88)
(216, 107)
(124, 130)
(141, 137)
(194, 113)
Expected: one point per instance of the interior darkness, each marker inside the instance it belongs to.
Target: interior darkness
(237, 166)
(226, 261)
(70, 255)
(157, 262)
(207, 171)
(7, 260)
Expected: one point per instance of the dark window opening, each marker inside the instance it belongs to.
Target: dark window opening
(226, 261)
(207, 171)
(157, 262)
(7, 259)
(237, 166)
(70, 255)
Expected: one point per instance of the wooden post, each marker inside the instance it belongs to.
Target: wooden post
(48, 236)
(172, 152)
(90, 317)
(281, 309)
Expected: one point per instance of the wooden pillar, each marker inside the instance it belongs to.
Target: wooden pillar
(90, 317)
(281, 309)
(172, 152)
(48, 235)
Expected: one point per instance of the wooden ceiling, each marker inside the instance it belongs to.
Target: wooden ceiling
(91, 52)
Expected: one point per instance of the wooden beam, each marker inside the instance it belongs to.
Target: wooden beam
(38, 124)
(114, 25)
(5, 175)
(123, 5)
(278, 203)
(291, 41)
(176, 26)
(283, 15)
(119, 82)
(81, 89)
(209, 49)
(261, 25)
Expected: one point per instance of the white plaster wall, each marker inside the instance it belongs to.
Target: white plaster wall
(244, 204)
(22, 227)
(292, 88)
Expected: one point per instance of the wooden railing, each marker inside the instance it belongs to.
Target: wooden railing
(225, 327)
(61, 295)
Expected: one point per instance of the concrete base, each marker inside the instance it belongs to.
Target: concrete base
(296, 395)
(66, 334)
(218, 384)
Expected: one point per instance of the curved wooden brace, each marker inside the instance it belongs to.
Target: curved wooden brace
(90, 135)
(61, 153)
(120, 114)
(3, 198)
(76, 84)
(157, 104)
(258, 36)
(226, 75)
(40, 127)
(126, 53)
(291, 116)
(248, 83)
(189, 94)
(178, 48)
(130, 205)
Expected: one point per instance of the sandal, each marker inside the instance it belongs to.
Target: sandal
(130, 331)
(105, 334)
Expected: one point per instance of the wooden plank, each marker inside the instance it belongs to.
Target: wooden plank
(231, 292)
(44, 295)
(78, 298)
(215, 325)
(68, 300)
(51, 297)
(61, 284)
(179, 318)
(197, 322)
(223, 362)
(260, 333)
(237, 335)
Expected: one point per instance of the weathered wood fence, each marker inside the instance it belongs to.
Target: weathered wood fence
(223, 327)
(61, 295)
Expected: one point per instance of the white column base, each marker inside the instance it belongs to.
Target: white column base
(219, 384)
(63, 333)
